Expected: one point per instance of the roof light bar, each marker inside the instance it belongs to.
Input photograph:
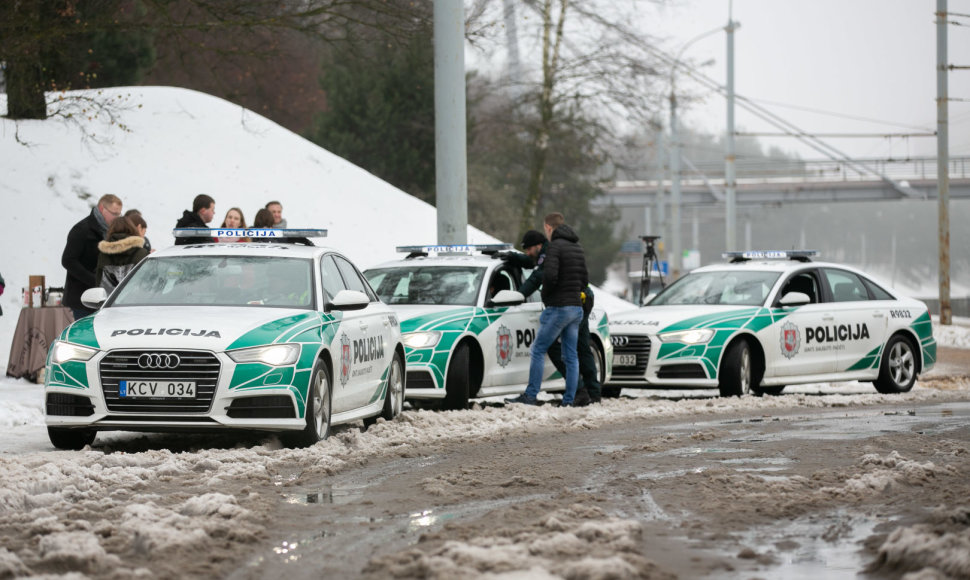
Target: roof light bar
(455, 249)
(247, 233)
(800, 255)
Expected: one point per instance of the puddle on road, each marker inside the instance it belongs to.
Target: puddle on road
(810, 548)
(329, 494)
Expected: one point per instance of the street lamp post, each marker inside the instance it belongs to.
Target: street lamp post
(675, 199)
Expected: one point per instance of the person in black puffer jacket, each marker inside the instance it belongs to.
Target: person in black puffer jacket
(564, 277)
(120, 251)
(203, 210)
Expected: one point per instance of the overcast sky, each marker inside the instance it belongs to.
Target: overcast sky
(859, 59)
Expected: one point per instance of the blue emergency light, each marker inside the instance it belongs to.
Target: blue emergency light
(798, 255)
(465, 249)
(261, 233)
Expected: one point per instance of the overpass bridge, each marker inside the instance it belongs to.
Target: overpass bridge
(786, 182)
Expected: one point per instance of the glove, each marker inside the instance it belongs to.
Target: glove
(503, 255)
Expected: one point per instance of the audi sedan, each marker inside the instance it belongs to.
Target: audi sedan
(251, 336)
(770, 319)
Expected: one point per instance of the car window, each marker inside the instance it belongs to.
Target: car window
(421, 284)
(219, 281)
(734, 287)
(332, 281)
(804, 282)
(501, 280)
(877, 292)
(351, 278)
(845, 286)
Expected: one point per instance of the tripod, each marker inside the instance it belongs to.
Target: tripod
(650, 262)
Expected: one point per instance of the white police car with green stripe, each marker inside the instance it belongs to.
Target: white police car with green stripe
(770, 319)
(467, 331)
(258, 336)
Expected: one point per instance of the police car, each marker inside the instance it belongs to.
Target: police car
(258, 336)
(770, 319)
(465, 327)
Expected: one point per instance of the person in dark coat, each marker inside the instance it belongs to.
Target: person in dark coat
(137, 219)
(534, 244)
(120, 251)
(203, 210)
(564, 277)
(80, 256)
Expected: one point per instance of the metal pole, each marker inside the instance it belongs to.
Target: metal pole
(730, 215)
(674, 187)
(451, 177)
(943, 160)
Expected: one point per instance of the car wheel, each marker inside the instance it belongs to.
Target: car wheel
(773, 391)
(897, 372)
(598, 362)
(317, 409)
(734, 378)
(456, 383)
(394, 396)
(71, 439)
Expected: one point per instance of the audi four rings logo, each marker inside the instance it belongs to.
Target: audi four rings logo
(619, 340)
(158, 361)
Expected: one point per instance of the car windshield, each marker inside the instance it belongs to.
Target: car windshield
(739, 288)
(219, 281)
(451, 285)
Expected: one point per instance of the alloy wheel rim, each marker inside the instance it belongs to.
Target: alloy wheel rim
(901, 363)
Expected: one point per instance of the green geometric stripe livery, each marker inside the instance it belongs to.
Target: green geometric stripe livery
(870, 361)
(923, 328)
(725, 325)
(452, 324)
(311, 330)
(81, 332)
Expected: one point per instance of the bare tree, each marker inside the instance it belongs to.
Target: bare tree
(590, 66)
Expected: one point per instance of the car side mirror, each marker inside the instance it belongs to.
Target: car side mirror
(348, 300)
(795, 299)
(93, 298)
(507, 298)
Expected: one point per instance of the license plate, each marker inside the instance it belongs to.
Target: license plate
(156, 389)
(624, 360)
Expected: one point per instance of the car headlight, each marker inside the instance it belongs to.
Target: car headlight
(693, 336)
(275, 354)
(420, 339)
(65, 351)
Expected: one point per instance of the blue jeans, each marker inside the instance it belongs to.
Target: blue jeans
(553, 322)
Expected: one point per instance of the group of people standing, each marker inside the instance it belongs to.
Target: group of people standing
(559, 268)
(104, 246)
(204, 210)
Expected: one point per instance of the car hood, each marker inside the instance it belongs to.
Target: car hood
(190, 327)
(654, 319)
(423, 316)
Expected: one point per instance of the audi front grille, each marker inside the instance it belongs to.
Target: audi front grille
(160, 365)
(631, 344)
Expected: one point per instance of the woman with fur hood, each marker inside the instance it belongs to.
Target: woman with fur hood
(122, 248)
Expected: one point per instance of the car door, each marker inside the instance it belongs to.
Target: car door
(507, 346)
(858, 329)
(372, 352)
(792, 347)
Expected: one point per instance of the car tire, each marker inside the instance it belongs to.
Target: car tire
(394, 395)
(71, 439)
(598, 362)
(318, 409)
(734, 377)
(456, 383)
(897, 372)
(771, 391)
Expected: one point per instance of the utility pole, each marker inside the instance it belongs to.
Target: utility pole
(943, 160)
(730, 183)
(451, 174)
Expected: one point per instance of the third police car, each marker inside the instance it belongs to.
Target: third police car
(770, 319)
(466, 329)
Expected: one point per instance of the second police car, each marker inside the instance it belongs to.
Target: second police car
(254, 336)
(466, 329)
(770, 319)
